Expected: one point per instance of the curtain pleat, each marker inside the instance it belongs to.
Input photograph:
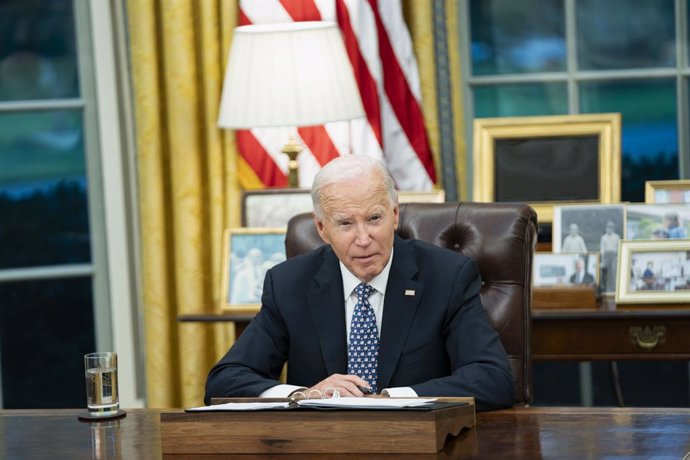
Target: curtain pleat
(187, 196)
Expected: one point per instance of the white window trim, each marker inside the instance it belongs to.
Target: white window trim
(114, 160)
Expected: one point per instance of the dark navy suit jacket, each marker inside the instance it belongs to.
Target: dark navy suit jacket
(439, 341)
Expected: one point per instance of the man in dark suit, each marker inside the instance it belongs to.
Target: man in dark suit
(435, 337)
(581, 275)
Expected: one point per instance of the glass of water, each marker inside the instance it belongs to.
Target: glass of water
(101, 383)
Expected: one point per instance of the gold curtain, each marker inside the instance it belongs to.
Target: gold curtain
(188, 186)
(190, 176)
(420, 20)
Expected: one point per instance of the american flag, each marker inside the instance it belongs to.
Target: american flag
(380, 51)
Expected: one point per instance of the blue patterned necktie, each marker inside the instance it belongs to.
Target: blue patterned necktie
(363, 352)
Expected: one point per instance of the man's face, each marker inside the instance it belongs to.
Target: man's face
(359, 223)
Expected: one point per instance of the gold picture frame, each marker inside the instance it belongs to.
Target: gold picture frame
(431, 196)
(247, 254)
(667, 191)
(653, 272)
(518, 158)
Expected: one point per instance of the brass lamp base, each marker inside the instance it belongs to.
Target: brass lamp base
(292, 149)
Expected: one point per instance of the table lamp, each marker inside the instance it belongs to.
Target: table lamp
(288, 74)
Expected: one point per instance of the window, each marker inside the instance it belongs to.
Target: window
(51, 218)
(549, 57)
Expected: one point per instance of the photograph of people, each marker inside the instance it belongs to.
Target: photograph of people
(581, 275)
(251, 253)
(657, 221)
(574, 242)
(608, 247)
(673, 228)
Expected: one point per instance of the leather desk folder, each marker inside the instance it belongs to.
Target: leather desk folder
(307, 430)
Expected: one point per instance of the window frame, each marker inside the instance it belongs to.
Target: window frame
(572, 77)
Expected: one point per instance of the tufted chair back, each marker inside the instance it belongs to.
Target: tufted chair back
(500, 237)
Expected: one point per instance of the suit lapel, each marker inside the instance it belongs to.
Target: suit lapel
(403, 295)
(326, 301)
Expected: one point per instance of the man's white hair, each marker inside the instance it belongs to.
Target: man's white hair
(349, 168)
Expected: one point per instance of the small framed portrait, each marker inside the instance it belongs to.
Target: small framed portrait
(561, 270)
(248, 253)
(273, 208)
(654, 272)
(657, 221)
(667, 191)
(548, 160)
(591, 228)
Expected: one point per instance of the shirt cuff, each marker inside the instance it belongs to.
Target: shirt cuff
(280, 391)
(400, 392)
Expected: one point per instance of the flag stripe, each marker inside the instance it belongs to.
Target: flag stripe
(380, 52)
(301, 10)
(366, 83)
(403, 102)
(319, 142)
(258, 159)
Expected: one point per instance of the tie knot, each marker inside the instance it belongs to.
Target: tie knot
(363, 290)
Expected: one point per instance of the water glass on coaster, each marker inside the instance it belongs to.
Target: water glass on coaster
(102, 400)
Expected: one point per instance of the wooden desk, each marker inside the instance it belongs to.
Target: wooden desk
(515, 433)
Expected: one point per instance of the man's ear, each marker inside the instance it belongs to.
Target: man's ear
(396, 216)
(320, 227)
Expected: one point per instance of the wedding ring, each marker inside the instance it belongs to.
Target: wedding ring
(334, 392)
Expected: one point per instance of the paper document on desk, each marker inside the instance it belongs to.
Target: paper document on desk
(238, 406)
(366, 403)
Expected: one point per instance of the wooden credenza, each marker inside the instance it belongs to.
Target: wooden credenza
(607, 333)
(611, 333)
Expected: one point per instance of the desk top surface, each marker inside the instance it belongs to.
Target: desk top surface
(514, 433)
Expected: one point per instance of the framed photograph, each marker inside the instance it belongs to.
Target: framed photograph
(565, 269)
(273, 208)
(667, 191)
(548, 160)
(591, 228)
(248, 253)
(657, 221)
(432, 196)
(654, 272)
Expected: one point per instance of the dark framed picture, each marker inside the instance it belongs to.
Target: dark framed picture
(591, 228)
(667, 191)
(562, 270)
(273, 208)
(548, 160)
(654, 272)
(657, 221)
(248, 253)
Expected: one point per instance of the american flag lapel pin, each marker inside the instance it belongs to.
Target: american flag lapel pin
(409, 292)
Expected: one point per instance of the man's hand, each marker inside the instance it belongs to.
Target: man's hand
(345, 385)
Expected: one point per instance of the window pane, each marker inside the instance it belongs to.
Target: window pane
(520, 100)
(650, 137)
(625, 34)
(42, 189)
(37, 50)
(517, 37)
(45, 329)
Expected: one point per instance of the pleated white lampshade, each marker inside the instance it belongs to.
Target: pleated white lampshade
(288, 74)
